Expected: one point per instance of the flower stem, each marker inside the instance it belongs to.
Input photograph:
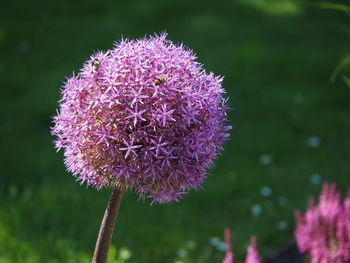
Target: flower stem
(107, 226)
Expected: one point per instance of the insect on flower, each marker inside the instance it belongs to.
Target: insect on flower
(95, 64)
(160, 80)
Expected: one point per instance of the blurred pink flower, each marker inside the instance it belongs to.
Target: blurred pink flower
(252, 252)
(324, 231)
(229, 253)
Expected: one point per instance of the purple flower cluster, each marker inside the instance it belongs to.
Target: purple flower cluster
(143, 116)
(324, 231)
(252, 251)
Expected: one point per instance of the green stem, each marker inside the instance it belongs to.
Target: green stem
(107, 226)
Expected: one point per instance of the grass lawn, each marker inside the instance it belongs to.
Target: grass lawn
(277, 62)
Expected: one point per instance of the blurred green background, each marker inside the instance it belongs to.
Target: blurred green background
(291, 126)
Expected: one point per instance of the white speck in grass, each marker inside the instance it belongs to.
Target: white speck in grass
(282, 225)
(124, 253)
(221, 246)
(315, 178)
(282, 201)
(182, 253)
(265, 191)
(217, 243)
(265, 159)
(313, 141)
(214, 241)
(256, 210)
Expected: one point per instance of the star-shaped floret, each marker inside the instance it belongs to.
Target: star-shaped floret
(130, 147)
(166, 159)
(164, 115)
(190, 115)
(135, 114)
(137, 96)
(158, 146)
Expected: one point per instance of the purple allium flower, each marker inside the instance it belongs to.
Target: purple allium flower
(252, 251)
(143, 116)
(324, 231)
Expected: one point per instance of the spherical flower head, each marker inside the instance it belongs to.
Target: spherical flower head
(143, 116)
(324, 231)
